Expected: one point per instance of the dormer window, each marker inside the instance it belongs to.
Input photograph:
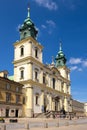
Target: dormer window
(21, 50)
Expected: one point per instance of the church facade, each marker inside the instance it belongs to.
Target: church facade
(46, 87)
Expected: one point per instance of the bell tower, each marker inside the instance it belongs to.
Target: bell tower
(60, 58)
(61, 63)
(27, 56)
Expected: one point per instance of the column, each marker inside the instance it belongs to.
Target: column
(50, 102)
(41, 76)
(61, 104)
(29, 102)
(65, 104)
(30, 48)
(29, 72)
(65, 88)
(42, 101)
(53, 105)
(15, 73)
(58, 105)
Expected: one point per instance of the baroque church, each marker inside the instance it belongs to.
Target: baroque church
(46, 87)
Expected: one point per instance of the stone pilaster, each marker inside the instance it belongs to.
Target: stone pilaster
(30, 70)
(50, 102)
(65, 88)
(30, 48)
(61, 103)
(65, 104)
(42, 101)
(53, 105)
(29, 102)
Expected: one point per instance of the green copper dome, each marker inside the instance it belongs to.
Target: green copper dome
(60, 58)
(27, 28)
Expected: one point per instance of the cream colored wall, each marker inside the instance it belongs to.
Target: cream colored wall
(39, 52)
(29, 73)
(63, 72)
(77, 107)
(37, 108)
(29, 50)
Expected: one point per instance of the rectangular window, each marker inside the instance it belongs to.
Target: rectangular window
(21, 51)
(37, 97)
(17, 98)
(53, 83)
(8, 97)
(36, 53)
(44, 80)
(36, 75)
(22, 74)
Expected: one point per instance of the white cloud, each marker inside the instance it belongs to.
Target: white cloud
(85, 63)
(49, 26)
(50, 4)
(76, 68)
(75, 61)
(73, 68)
(43, 26)
(70, 4)
(80, 69)
(77, 64)
(51, 23)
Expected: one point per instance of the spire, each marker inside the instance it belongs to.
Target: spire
(60, 58)
(60, 47)
(52, 61)
(28, 28)
(28, 15)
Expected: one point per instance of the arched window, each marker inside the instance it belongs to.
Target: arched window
(36, 52)
(37, 99)
(21, 50)
(53, 83)
(22, 73)
(25, 34)
(36, 74)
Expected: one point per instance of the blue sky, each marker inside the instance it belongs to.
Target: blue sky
(56, 20)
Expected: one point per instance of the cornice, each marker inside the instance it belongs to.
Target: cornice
(44, 87)
(28, 39)
(30, 59)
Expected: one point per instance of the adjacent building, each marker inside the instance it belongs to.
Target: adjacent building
(11, 97)
(46, 87)
(78, 108)
(85, 108)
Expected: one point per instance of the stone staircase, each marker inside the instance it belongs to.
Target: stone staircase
(47, 114)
